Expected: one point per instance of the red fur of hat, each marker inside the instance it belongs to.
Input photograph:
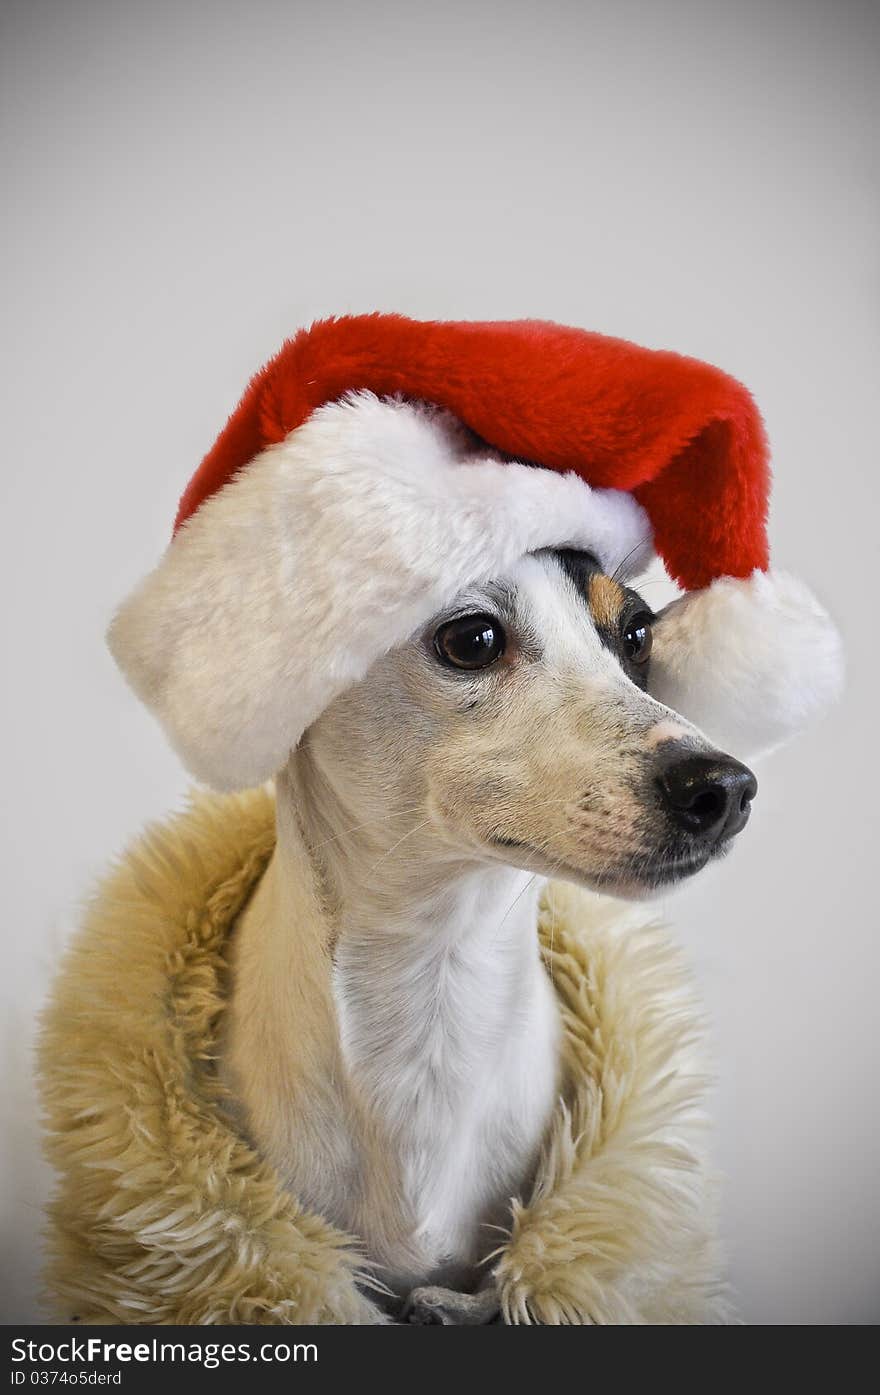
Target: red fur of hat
(684, 437)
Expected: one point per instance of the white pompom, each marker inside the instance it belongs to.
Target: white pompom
(748, 661)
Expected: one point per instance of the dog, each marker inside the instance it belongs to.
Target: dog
(511, 740)
(400, 585)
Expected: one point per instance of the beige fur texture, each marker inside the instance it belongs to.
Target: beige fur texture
(163, 1212)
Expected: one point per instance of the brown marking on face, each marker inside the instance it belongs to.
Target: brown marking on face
(606, 599)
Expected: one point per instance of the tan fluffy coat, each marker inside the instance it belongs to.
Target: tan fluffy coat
(164, 1213)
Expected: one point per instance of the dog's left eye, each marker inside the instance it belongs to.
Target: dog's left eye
(472, 641)
(637, 638)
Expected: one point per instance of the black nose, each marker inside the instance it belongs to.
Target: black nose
(708, 796)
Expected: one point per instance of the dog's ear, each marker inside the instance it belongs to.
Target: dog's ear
(324, 552)
(749, 661)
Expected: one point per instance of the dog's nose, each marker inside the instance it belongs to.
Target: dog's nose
(709, 796)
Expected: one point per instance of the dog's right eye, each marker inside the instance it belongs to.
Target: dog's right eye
(470, 642)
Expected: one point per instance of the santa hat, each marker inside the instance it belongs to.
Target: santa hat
(377, 465)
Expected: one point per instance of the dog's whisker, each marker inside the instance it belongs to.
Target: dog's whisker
(370, 823)
(395, 846)
(645, 539)
(539, 804)
(514, 902)
(553, 927)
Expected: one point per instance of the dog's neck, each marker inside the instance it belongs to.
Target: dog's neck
(399, 1074)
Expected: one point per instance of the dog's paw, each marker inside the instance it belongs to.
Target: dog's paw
(432, 1307)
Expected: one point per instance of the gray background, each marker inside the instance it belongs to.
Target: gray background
(187, 183)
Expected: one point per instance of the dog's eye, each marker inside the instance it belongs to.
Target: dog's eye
(637, 638)
(472, 641)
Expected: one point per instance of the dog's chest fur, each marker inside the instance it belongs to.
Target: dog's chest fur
(450, 1034)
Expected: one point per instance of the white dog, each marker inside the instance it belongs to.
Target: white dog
(509, 740)
(433, 649)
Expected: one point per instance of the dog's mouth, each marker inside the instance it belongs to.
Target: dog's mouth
(636, 875)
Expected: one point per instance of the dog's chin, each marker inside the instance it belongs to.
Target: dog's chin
(638, 877)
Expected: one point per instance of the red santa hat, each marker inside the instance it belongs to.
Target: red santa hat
(377, 465)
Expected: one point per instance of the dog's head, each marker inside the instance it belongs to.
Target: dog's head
(519, 723)
(529, 716)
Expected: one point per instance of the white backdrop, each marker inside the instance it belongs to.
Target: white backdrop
(187, 183)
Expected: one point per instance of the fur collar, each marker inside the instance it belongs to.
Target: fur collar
(164, 1214)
